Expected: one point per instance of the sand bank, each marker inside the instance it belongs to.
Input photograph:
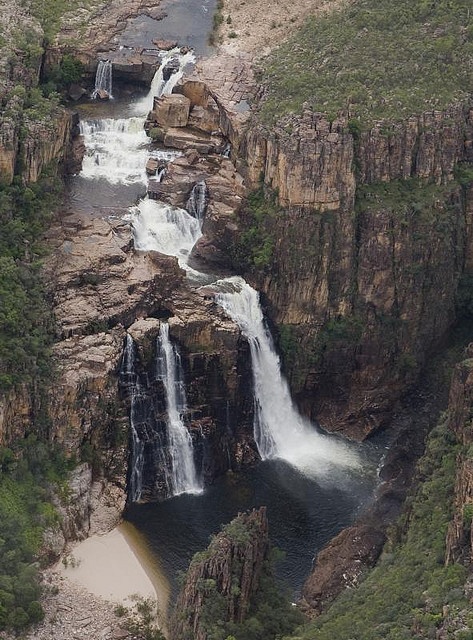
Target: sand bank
(116, 566)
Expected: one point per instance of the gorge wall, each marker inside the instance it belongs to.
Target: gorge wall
(358, 254)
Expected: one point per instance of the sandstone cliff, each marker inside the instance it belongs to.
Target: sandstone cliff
(360, 261)
(460, 533)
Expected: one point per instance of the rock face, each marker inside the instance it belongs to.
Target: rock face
(97, 280)
(460, 531)
(231, 568)
(360, 287)
(215, 372)
(341, 564)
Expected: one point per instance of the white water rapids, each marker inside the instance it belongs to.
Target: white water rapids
(117, 149)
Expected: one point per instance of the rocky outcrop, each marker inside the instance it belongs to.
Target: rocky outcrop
(16, 408)
(98, 281)
(171, 111)
(91, 506)
(187, 119)
(341, 565)
(230, 569)
(91, 31)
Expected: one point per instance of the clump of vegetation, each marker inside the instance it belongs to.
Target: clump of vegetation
(26, 327)
(270, 615)
(407, 199)
(377, 59)
(27, 475)
(218, 19)
(405, 595)
(67, 72)
(143, 619)
(254, 248)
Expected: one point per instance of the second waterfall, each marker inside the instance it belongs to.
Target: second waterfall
(182, 475)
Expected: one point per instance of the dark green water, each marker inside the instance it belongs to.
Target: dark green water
(303, 513)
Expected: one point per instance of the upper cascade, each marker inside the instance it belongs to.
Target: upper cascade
(182, 476)
(198, 201)
(104, 79)
(117, 148)
(280, 431)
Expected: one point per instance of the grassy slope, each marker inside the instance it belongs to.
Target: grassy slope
(382, 59)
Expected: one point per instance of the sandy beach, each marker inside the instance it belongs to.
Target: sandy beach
(115, 566)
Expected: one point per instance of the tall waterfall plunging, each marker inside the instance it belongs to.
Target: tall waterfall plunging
(129, 380)
(279, 430)
(103, 78)
(183, 476)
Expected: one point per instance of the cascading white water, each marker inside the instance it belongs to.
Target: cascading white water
(160, 86)
(104, 78)
(169, 230)
(183, 476)
(280, 431)
(116, 149)
(130, 378)
(198, 201)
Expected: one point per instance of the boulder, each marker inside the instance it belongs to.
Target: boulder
(165, 45)
(207, 119)
(76, 92)
(190, 139)
(102, 95)
(196, 90)
(152, 166)
(170, 68)
(171, 110)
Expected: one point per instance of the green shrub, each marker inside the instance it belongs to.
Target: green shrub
(67, 72)
(254, 249)
(27, 475)
(25, 320)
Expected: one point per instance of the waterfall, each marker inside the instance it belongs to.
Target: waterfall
(103, 78)
(116, 150)
(161, 227)
(198, 201)
(160, 86)
(183, 477)
(129, 379)
(279, 430)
